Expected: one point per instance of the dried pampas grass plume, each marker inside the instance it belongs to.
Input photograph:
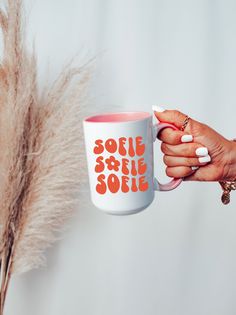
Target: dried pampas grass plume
(41, 148)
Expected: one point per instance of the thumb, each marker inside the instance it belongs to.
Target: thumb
(170, 116)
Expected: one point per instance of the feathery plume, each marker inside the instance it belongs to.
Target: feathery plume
(41, 160)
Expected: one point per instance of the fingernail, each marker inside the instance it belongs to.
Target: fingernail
(202, 151)
(186, 138)
(194, 168)
(204, 159)
(158, 109)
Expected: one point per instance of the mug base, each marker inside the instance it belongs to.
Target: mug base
(125, 212)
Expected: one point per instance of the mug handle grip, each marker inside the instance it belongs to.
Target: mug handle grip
(175, 182)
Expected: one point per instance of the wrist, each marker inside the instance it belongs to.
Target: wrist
(230, 166)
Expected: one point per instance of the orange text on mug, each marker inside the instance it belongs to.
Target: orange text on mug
(133, 171)
(119, 149)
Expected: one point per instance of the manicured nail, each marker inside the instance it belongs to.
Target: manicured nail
(194, 168)
(204, 159)
(202, 151)
(158, 109)
(186, 138)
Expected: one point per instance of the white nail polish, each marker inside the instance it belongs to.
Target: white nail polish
(202, 151)
(204, 159)
(158, 109)
(186, 138)
(194, 168)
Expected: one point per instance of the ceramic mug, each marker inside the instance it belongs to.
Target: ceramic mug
(119, 149)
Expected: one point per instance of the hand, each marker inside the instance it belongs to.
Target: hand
(215, 155)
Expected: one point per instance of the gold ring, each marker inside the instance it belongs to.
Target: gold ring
(187, 118)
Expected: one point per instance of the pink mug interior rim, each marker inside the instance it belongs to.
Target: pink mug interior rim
(118, 117)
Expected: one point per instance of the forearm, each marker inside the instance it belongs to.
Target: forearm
(231, 167)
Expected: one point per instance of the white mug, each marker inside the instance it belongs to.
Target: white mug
(119, 148)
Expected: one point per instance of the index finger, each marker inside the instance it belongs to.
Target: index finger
(170, 136)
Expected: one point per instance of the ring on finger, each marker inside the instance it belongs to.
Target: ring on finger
(187, 118)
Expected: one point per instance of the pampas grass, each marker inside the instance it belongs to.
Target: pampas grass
(40, 151)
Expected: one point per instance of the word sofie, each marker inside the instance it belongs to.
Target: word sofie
(125, 173)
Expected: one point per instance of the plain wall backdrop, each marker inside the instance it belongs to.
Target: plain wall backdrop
(178, 257)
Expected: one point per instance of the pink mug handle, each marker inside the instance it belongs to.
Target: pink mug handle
(175, 182)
